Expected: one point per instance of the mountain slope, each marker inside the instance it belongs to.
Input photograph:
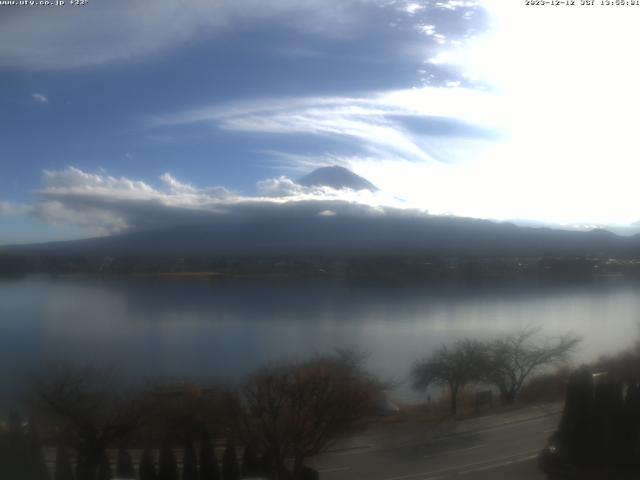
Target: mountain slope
(386, 234)
(336, 177)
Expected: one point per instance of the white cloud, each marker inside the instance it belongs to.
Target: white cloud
(10, 208)
(412, 8)
(280, 187)
(327, 213)
(428, 30)
(458, 4)
(113, 204)
(107, 204)
(74, 180)
(177, 187)
(39, 98)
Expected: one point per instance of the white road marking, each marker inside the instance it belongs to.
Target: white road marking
(456, 469)
(350, 451)
(336, 469)
(497, 465)
(459, 450)
(506, 426)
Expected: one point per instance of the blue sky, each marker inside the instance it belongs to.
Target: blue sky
(450, 107)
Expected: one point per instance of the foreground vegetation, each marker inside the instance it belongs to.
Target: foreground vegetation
(285, 413)
(281, 415)
(599, 433)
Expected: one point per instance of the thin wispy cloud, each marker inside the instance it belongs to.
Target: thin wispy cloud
(301, 164)
(376, 122)
(122, 30)
(39, 98)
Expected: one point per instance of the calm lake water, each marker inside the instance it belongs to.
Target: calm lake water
(174, 329)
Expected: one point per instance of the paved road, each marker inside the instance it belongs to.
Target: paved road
(495, 452)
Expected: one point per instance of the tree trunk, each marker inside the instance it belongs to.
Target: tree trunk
(454, 400)
(283, 473)
(508, 397)
(88, 461)
(296, 474)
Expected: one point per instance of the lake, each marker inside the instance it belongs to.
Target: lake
(199, 329)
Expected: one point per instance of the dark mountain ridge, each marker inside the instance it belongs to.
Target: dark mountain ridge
(347, 234)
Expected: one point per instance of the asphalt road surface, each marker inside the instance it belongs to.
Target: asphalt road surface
(495, 452)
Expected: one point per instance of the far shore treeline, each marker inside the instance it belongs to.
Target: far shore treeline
(402, 267)
(408, 245)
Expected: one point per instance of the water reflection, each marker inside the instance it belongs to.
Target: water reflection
(199, 329)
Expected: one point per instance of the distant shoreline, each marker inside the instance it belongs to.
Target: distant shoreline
(393, 267)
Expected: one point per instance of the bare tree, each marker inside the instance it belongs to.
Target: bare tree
(88, 414)
(514, 358)
(181, 411)
(453, 367)
(296, 410)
